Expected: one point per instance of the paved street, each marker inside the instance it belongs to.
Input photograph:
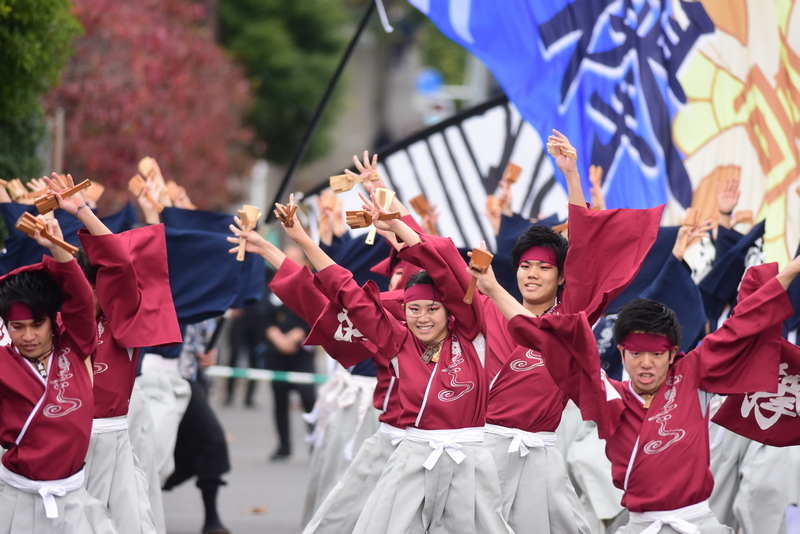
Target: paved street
(261, 497)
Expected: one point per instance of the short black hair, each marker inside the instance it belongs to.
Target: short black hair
(89, 270)
(36, 290)
(541, 236)
(649, 317)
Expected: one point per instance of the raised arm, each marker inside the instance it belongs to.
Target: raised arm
(744, 353)
(363, 306)
(727, 198)
(76, 205)
(569, 167)
(77, 312)
(255, 244)
(505, 302)
(568, 346)
(614, 243)
(133, 286)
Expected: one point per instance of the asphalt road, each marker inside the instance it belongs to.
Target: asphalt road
(261, 496)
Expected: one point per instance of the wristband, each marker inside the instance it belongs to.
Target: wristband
(79, 209)
(724, 213)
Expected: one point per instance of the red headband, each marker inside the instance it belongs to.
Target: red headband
(19, 311)
(543, 254)
(639, 342)
(421, 292)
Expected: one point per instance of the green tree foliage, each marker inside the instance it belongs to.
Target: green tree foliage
(19, 139)
(35, 38)
(290, 49)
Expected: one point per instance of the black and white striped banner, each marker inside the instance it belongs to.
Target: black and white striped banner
(458, 162)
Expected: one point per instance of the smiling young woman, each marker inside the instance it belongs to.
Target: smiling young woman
(438, 352)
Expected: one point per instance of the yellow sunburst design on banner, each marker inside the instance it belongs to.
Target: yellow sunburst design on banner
(743, 114)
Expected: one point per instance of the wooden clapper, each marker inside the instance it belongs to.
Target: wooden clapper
(249, 215)
(28, 224)
(344, 182)
(136, 185)
(48, 203)
(422, 208)
(384, 198)
(479, 262)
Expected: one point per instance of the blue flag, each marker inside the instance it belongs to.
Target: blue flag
(602, 72)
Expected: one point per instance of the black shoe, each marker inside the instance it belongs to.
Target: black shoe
(280, 457)
(215, 528)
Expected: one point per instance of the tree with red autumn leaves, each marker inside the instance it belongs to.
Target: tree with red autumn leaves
(147, 79)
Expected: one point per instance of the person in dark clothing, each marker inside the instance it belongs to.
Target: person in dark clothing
(200, 449)
(246, 339)
(285, 352)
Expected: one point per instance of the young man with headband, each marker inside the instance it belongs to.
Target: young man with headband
(656, 424)
(46, 402)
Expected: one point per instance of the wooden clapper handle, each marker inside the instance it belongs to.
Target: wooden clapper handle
(385, 197)
(470, 291)
(479, 262)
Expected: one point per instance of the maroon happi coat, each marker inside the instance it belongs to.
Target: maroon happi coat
(606, 250)
(447, 394)
(133, 290)
(332, 330)
(45, 424)
(660, 455)
(769, 417)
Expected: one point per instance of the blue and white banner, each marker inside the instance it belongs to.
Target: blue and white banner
(603, 72)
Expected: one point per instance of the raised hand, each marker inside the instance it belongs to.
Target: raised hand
(70, 204)
(727, 198)
(296, 231)
(687, 235)
(596, 179)
(374, 207)
(254, 243)
(428, 222)
(789, 273)
(560, 142)
(36, 184)
(728, 194)
(367, 172)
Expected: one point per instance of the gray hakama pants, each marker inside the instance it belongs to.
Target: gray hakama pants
(115, 478)
(168, 396)
(590, 472)
(23, 512)
(458, 492)
(682, 521)
(345, 419)
(141, 431)
(340, 509)
(538, 496)
(753, 483)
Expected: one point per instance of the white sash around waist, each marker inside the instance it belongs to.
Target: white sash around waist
(677, 519)
(448, 440)
(521, 440)
(107, 425)
(48, 489)
(156, 363)
(397, 434)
